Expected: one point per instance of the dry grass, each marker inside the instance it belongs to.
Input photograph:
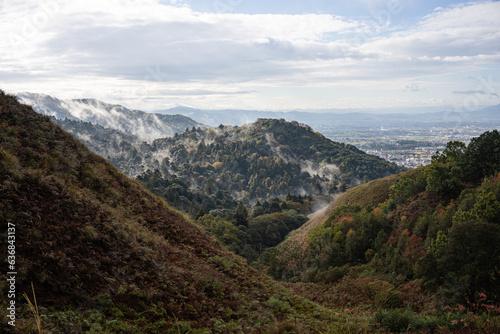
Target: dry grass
(34, 309)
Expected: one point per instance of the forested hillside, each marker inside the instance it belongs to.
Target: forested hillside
(260, 161)
(269, 158)
(215, 168)
(431, 232)
(104, 255)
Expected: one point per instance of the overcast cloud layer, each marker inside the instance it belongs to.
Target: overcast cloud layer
(156, 54)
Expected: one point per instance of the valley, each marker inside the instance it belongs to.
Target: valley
(236, 249)
(408, 147)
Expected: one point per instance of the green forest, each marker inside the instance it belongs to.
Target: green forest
(213, 169)
(268, 158)
(437, 232)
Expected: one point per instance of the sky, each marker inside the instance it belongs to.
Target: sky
(255, 54)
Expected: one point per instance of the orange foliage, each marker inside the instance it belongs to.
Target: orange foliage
(378, 212)
(441, 212)
(414, 250)
(351, 232)
(345, 219)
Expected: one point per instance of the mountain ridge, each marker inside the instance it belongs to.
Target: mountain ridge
(340, 117)
(147, 126)
(268, 158)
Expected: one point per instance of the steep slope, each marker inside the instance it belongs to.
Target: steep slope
(105, 255)
(439, 224)
(146, 126)
(293, 250)
(371, 193)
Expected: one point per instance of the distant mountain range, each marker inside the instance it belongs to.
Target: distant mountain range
(146, 126)
(165, 123)
(341, 118)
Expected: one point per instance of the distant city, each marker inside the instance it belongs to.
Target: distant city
(410, 148)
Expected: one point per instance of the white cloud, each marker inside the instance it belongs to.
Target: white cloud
(463, 30)
(149, 50)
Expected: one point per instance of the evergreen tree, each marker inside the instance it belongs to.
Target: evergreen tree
(241, 215)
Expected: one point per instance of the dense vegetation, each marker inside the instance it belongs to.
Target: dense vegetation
(269, 158)
(105, 255)
(438, 229)
(249, 235)
(208, 169)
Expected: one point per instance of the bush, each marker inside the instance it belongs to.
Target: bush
(398, 321)
(388, 299)
(279, 307)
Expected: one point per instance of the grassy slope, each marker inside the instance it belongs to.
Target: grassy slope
(374, 192)
(106, 255)
(364, 291)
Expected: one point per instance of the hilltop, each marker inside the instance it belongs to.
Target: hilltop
(105, 255)
(203, 168)
(266, 159)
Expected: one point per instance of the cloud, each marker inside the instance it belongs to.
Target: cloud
(464, 30)
(146, 49)
(413, 87)
(474, 92)
(188, 46)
